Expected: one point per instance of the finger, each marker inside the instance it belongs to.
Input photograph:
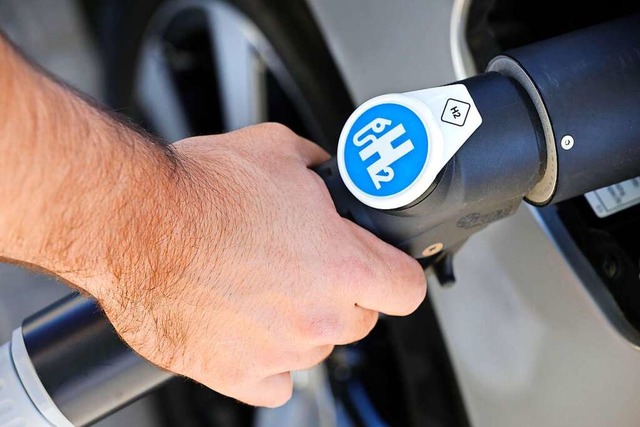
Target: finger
(360, 323)
(395, 284)
(270, 392)
(311, 153)
(312, 358)
(276, 135)
(303, 360)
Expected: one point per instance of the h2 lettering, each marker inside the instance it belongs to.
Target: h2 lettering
(380, 171)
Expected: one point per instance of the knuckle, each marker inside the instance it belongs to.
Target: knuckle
(313, 358)
(320, 187)
(321, 329)
(277, 129)
(362, 270)
(323, 354)
(367, 322)
(415, 284)
(355, 272)
(370, 320)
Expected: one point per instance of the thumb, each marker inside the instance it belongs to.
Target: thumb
(311, 153)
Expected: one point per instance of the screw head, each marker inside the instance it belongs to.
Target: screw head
(567, 142)
(433, 249)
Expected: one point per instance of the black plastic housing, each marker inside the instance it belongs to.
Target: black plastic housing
(589, 82)
(485, 181)
(83, 364)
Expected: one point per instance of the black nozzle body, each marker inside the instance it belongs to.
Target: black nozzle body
(84, 366)
(589, 85)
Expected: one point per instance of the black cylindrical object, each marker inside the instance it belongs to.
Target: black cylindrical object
(589, 84)
(83, 364)
(485, 181)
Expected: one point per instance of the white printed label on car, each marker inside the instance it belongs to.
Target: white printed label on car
(615, 198)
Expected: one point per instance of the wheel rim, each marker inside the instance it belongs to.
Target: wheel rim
(248, 82)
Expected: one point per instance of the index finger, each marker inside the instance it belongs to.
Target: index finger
(397, 285)
(311, 153)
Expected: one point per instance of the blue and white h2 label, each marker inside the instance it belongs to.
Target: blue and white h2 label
(393, 146)
(386, 150)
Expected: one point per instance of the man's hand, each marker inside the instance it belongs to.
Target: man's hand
(264, 276)
(222, 259)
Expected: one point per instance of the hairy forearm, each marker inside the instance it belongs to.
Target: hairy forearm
(75, 185)
(227, 263)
